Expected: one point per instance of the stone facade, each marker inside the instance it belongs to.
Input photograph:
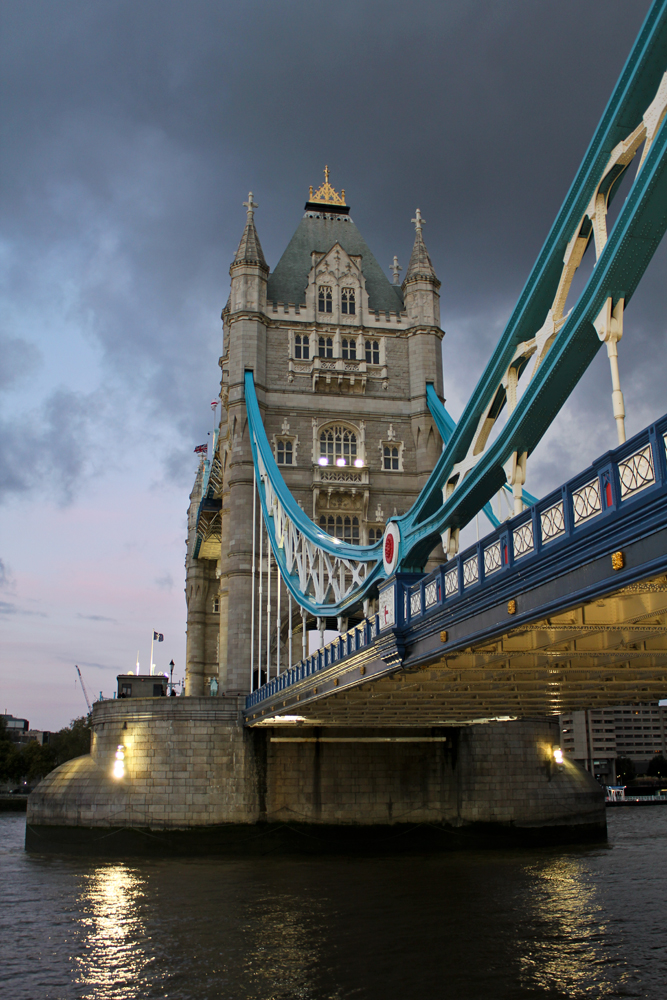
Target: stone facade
(335, 347)
(190, 765)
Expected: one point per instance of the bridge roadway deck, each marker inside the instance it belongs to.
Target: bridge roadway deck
(563, 607)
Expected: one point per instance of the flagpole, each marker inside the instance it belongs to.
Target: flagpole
(152, 638)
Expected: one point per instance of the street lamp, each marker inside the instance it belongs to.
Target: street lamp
(171, 675)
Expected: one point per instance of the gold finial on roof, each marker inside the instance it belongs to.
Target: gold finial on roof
(325, 194)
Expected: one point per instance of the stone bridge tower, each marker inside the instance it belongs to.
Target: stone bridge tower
(341, 357)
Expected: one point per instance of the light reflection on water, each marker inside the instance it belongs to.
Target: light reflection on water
(565, 948)
(110, 907)
(493, 925)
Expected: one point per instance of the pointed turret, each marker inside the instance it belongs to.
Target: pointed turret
(420, 265)
(420, 287)
(249, 269)
(250, 249)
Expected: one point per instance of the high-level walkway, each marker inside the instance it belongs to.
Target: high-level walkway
(562, 607)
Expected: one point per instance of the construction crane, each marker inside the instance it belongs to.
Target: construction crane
(83, 688)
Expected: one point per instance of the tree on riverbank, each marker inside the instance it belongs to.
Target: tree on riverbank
(657, 767)
(625, 770)
(32, 761)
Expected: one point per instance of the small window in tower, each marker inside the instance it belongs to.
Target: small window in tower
(372, 352)
(350, 530)
(347, 301)
(349, 350)
(324, 299)
(216, 604)
(327, 524)
(301, 347)
(326, 347)
(390, 458)
(284, 452)
(374, 535)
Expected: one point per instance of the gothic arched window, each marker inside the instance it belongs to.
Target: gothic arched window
(284, 452)
(338, 445)
(349, 348)
(372, 352)
(301, 347)
(345, 528)
(326, 347)
(390, 458)
(324, 299)
(347, 301)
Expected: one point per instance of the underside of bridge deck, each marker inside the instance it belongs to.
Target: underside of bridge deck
(609, 651)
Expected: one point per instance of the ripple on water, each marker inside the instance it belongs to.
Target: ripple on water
(491, 925)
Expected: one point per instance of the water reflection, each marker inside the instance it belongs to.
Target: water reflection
(493, 925)
(285, 934)
(564, 945)
(113, 957)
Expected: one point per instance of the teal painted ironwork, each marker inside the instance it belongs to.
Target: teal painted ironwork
(574, 342)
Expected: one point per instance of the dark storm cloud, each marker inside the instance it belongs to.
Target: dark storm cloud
(132, 133)
(51, 447)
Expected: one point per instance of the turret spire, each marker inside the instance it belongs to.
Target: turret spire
(250, 249)
(420, 265)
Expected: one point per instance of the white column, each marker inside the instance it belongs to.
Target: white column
(268, 607)
(278, 622)
(609, 327)
(261, 592)
(289, 631)
(304, 634)
(252, 592)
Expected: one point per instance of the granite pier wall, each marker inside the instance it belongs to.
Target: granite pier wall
(196, 779)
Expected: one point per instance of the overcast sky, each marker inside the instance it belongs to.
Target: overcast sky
(131, 134)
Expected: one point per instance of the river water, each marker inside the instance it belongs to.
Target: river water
(553, 923)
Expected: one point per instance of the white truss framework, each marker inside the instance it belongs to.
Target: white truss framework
(609, 328)
(325, 578)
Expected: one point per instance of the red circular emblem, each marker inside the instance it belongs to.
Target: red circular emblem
(389, 548)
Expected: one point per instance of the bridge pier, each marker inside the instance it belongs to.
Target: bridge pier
(197, 780)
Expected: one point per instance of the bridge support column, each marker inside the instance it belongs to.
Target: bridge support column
(201, 782)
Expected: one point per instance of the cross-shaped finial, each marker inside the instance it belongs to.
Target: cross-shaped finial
(326, 175)
(418, 221)
(250, 205)
(395, 269)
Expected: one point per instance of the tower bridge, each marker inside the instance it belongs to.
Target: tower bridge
(333, 499)
(563, 607)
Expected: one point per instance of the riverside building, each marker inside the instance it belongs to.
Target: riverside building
(596, 737)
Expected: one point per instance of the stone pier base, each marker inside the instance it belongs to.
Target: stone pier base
(196, 781)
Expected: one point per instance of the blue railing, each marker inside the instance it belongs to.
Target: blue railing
(633, 470)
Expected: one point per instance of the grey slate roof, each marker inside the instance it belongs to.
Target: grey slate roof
(289, 280)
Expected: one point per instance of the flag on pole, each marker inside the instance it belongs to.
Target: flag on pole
(158, 637)
(201, 449)
(214, 403)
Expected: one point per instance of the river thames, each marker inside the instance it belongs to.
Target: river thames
(491, 925)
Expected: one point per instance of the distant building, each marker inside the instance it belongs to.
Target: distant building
(15, 728)
(40, 736)
(597, 737)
